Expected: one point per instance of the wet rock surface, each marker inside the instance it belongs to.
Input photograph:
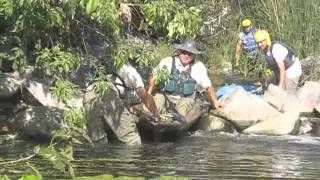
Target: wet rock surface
(38, 122)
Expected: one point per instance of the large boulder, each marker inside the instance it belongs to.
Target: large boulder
(245, 109)
(209, 122)
(38, 122)
(309, 66)
(309, 96)
(10, 84)
(317, 108)
(286, 123)
(281, 100)
(41, 92)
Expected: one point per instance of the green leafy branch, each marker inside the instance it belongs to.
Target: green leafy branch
(60, 158)
(105, 13)
(161, 75)
(55, 60)
(64, 90)
(174, 19)
(186, 23)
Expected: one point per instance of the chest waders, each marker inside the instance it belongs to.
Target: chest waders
(180, 84)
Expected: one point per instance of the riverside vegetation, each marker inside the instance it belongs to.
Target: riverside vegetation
(54, 37)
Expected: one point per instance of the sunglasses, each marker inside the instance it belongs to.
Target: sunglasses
(186, 53)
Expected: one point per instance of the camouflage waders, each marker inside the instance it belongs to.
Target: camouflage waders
(110, 111)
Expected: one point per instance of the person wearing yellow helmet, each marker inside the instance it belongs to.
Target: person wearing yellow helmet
(281, 59)
(246, 42)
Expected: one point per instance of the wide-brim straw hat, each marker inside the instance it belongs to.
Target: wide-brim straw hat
(189, 46)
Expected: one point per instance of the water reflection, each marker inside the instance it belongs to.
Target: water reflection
(200, 156)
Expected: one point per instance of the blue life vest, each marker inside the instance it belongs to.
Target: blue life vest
(248, 42)
(180, 83)
(288, 61)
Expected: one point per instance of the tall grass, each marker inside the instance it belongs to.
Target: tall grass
(294, 22)
(291, 21)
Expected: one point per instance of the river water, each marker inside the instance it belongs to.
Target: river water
(201, 155)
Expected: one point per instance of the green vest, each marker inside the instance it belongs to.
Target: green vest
(180, 83)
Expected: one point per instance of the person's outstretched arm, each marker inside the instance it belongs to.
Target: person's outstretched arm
(213, 98)
(238, 50)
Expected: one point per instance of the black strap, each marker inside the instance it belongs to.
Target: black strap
(173, 65)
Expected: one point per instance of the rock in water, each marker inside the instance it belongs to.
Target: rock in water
(38, 122)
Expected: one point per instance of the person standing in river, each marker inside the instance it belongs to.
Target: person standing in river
(281, 59)
(117, 109)
(186, 73)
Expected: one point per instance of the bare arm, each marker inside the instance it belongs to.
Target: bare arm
(151, 85)
(282, 71)
(238, 49)
(148, 100)
(213, 98)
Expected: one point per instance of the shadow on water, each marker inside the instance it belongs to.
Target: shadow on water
(199, 156)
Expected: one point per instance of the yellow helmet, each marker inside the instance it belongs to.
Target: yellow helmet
(261, 35)
(246, 23)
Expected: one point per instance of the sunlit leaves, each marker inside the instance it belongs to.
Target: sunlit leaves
(30, 177)
(176, 19)
(75, 117)
(101, 86)
(133, 49)
(91, 6)
(56, 60)
(105, 12)
(56, 16)
(64, 90)
(158, 13)
(61, 160)
(6, 8)
(161, 75)
(186, 23)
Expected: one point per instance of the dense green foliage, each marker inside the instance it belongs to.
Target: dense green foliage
(55, 36)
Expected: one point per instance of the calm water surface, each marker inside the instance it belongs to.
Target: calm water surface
(199, 156)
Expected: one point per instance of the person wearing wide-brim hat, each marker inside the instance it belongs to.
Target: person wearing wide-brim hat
(186, 73)
(189, 46)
